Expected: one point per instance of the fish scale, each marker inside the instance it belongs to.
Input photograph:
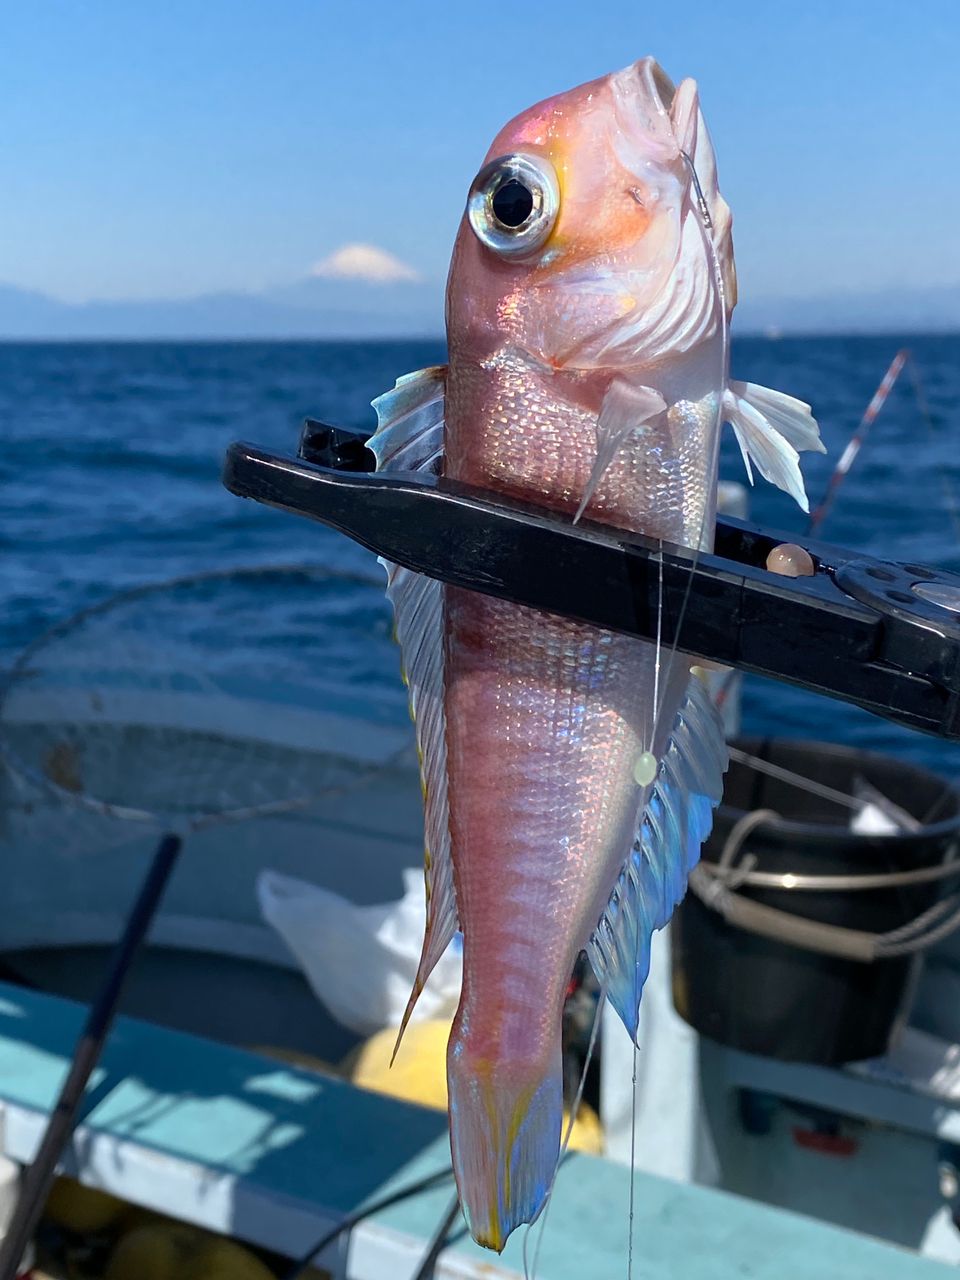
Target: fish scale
(515, 680)
(587, 369)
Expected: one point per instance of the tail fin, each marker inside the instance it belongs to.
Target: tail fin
(505, 1123)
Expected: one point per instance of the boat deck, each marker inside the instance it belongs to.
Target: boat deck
(275, 1156)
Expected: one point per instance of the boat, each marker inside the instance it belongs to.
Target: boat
(219, 1102)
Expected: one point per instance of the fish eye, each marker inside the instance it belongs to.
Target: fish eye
(513, 204)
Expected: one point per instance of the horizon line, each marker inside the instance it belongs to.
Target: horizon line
(769, 333)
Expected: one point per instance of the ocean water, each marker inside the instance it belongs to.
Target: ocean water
(111, 457)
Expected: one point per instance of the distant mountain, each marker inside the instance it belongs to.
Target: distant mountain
(314, 308)
(23, 312)
(338, 308)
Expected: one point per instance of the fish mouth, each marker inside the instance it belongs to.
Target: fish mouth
(655, 82)
(643, 95)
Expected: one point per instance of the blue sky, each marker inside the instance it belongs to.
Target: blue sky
(174, 148)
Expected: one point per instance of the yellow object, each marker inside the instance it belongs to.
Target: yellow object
(174, 1251)
(419, 1075)
(156, 1252)
(587, 1134)
(77, 1208)
(221, 1259)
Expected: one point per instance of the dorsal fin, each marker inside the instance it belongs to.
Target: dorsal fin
(409, 437)
(676, 820)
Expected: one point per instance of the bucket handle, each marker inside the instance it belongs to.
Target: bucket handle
(717, 888)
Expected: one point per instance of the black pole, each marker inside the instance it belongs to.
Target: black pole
(428, 1266)
(63, 1117)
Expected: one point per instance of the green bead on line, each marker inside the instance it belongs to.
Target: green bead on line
(645, 769)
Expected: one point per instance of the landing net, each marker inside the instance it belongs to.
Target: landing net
(210, 698)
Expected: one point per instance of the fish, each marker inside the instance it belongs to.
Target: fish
(569, 773)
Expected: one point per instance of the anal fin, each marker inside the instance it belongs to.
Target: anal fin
(677, 818)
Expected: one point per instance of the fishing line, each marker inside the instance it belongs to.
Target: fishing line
(530, 1273)
(659, 694)
(633, 1160)
(659, 698)
(706, 229)
(658, 648)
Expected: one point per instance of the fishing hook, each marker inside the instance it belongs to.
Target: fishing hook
(701, 198)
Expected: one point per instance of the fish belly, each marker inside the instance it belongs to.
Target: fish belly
(545, 720)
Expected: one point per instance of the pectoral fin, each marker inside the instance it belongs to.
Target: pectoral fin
(626, 408)
(770, 428)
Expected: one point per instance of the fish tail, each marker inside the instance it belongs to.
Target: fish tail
(505, 1126)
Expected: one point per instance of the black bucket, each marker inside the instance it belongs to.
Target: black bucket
(768, 997)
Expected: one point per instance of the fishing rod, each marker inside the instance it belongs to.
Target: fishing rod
(855, 443)
(877, 633)
(845, 462)
(101, 1015)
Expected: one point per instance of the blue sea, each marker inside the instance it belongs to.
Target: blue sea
(111, 457)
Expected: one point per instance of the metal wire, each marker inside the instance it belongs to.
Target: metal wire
(795, 779)
(297, 1268)
(719, 892)
(887, 949)
(835, 884)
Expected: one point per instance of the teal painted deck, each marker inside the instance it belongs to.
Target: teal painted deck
(274, 1156)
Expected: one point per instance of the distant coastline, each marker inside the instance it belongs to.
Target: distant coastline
(337, 310)
(418, 339)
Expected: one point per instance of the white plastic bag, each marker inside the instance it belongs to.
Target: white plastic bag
(361, 961)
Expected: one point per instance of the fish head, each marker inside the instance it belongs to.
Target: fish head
(584, 243)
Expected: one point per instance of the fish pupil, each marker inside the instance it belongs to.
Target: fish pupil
(512, 203)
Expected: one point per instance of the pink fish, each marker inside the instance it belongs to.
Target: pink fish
(569, 773)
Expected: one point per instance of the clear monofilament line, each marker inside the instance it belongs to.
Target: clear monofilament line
(657, 650)
(530, 1270)
(706, 227)
(633, 1162)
